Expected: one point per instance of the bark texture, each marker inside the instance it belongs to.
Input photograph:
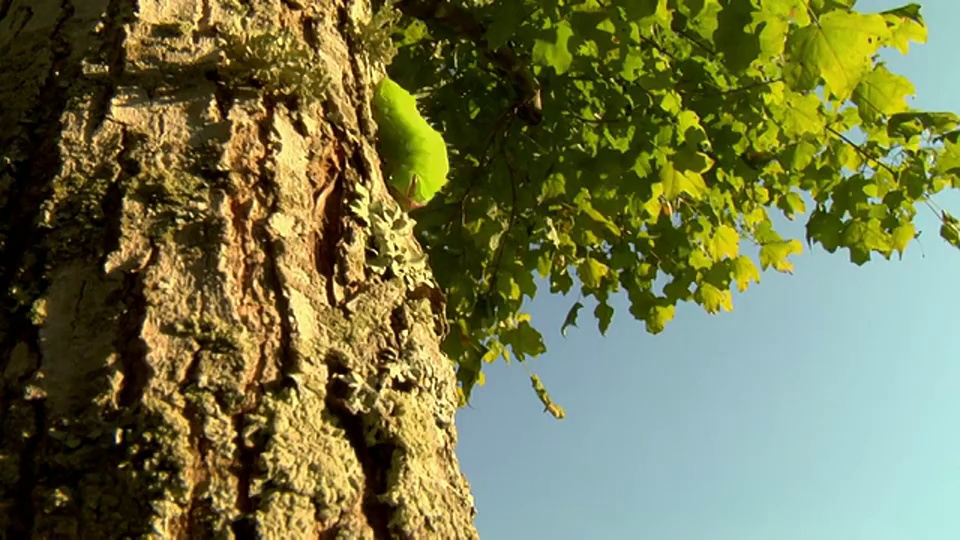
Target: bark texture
(213, 322)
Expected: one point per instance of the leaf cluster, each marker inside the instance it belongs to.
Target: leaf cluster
(672, 131)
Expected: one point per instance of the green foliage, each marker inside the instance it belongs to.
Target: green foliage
(671, 130)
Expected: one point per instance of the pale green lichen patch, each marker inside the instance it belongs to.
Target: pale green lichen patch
(308, 455)
(75, 213)
(277, 59)
(170, 200)
(391, 250)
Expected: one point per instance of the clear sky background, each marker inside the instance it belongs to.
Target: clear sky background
(826, 406)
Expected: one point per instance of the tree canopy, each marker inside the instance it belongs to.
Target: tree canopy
(632, 147)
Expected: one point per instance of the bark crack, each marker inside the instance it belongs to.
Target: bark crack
(245, 528)
(23, 506)
(130, 346)
(22, 257)
(23, 254)
(24, 513)
(330, 213)
(129, 343)
(375, 459)
(274, 275)
(114, 53)
(248, 452)
(112, 200)
(197, 515)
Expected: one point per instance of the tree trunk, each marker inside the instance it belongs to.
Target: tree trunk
(210, 327)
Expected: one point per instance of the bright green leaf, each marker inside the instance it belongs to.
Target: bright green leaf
(798, 156)
(725, 242)
(700, 260)
(494, 350)
(676, 183)
(658, 317)
(837, 50)
(744, 271)
(592, 272)
(906, 25)
(881, 93)
(775, 254)
(902, 236)
(792, 204)
(554, 52)
(862, 238)
(949, 162)
(553, 186)
(802, 115)
(714, 299)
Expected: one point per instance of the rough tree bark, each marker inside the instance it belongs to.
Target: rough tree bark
(194, 340)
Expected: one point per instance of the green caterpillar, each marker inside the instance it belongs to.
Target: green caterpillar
(414, 154)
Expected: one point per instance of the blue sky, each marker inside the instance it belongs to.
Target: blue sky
(825, 406)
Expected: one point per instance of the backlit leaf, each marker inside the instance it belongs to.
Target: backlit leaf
(775, 254)
(882, 93)
(658, 318)
(592, 272)
(906, 25)
(902, 236)
(725, 242)
(554, 51)
(744, 271)
(714, 299)
(837, 51)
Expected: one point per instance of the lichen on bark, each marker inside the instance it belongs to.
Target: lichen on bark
(194, 342)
